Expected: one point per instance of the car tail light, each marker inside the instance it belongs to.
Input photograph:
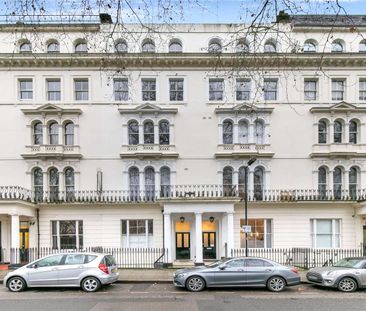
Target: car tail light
(103, 267)
(294, 270)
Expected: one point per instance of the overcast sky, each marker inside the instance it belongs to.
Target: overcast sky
(192, 11)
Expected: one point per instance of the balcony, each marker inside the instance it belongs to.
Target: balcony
(148, 151)
(178, 192)
(244, 150)
(52, 151)
(338, 150)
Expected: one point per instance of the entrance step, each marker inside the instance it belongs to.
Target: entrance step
(183, 264)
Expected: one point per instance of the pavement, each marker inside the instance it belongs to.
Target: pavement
(148, 275)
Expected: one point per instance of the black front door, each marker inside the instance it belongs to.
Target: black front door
(183, 245)
(209, 245)
(364, 240)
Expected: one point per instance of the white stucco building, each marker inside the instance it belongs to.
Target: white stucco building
(135, 138)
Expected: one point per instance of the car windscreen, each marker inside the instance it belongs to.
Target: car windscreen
(350, 263)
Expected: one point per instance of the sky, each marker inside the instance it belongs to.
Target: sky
(183, 11)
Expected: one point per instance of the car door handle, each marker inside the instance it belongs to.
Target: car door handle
(80, 267)
(54, 269)
(241, 270)
(268, 270)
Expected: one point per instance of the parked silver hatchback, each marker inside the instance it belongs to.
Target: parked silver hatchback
(86, 270)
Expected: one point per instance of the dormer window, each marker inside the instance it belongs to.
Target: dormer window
(309, 46)
(25, 47)
(337, 47)
(121, 47)
(215, 46)
(175, 46)
(53, 47)
(242, 47)
(148, 46)
(270, 47)
(81, 47)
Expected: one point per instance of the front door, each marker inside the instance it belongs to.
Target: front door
(209, 245)
(364, 240)
(24, 241)
(183, 245)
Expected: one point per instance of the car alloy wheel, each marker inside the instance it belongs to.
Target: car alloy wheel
(90, 284)
(16, 284)
(347, 285)
(195, 284)
(276, 284)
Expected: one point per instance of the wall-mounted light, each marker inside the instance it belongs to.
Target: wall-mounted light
(212, 219)
(32, 222)
(182, 219)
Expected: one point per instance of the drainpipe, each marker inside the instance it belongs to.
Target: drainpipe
(38, 233)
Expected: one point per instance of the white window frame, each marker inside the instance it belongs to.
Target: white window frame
(25, 79)
(265, 231)
(149, 79)
(311, 91)
(343, 90)
(148, 237)
(335, 235)
(58, 233)
(123, 79)
(269, 79)
(362, 81)
(50, 79)
(75, 79)
(223, 89)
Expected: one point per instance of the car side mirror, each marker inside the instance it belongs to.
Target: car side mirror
(34, 266)
(222, 267)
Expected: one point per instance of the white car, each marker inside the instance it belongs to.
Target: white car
(86, 270)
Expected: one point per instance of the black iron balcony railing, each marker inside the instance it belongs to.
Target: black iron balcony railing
(178, 192)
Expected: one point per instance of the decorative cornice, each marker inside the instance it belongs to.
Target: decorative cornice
(50, 109)
(196, 60)
(244, 109)
(339, 107)
(147, 109)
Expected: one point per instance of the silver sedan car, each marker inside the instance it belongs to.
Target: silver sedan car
(347, 275)
(86, 270)
(235, 272)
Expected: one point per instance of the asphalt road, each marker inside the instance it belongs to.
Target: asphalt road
(161, 297)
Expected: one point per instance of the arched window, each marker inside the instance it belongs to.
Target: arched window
(353, 182)
(53, 133)
(164, 138)
(227, 180)
(38, 184)
(25, 47)
(165, 181)
(149, 132)
(69, 133)
(81, 47)
(242, 47)
(322, 132)
(309, 46)
(353, 132)
(258, 183)
(241, 181)
(133, 133)
(134, 183)
(175, 46)
(227, 132)
(148, 46)
(259, 132)
(149, 183)
(270, 47)
(322, 181)
(338, 131)
(53, 47)
(70, 183)
(215, 46)
(53, 183)
(121, 47)
(38, 133)
(362, 46)
(243, 132)
(337, 46)
(337, 182)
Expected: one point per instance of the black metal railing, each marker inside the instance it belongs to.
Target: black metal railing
(141, 258)
(178, 192)
(304, 258)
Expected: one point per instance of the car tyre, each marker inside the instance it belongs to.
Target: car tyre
(90, 284)
(276, 284)
(347, 285)
(16, 284)
(195, 284)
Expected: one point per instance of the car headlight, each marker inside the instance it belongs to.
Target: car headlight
(181, 275)
(330, 274)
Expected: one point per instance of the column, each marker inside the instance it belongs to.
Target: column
(230, 233)
(141, 134)
(168, 237)
(44, 134)
(235, 133)
(157, 184)
(76, 135)
(251, 138)
(61, 185)
(156, 133)
(199, 250)
(45, 185)
(330, 138)
(60, 136)
(14, 255)
(142, 184)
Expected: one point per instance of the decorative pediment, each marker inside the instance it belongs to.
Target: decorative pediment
(50, 109)
(147, 109)
(243, 108)
(339, 107)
